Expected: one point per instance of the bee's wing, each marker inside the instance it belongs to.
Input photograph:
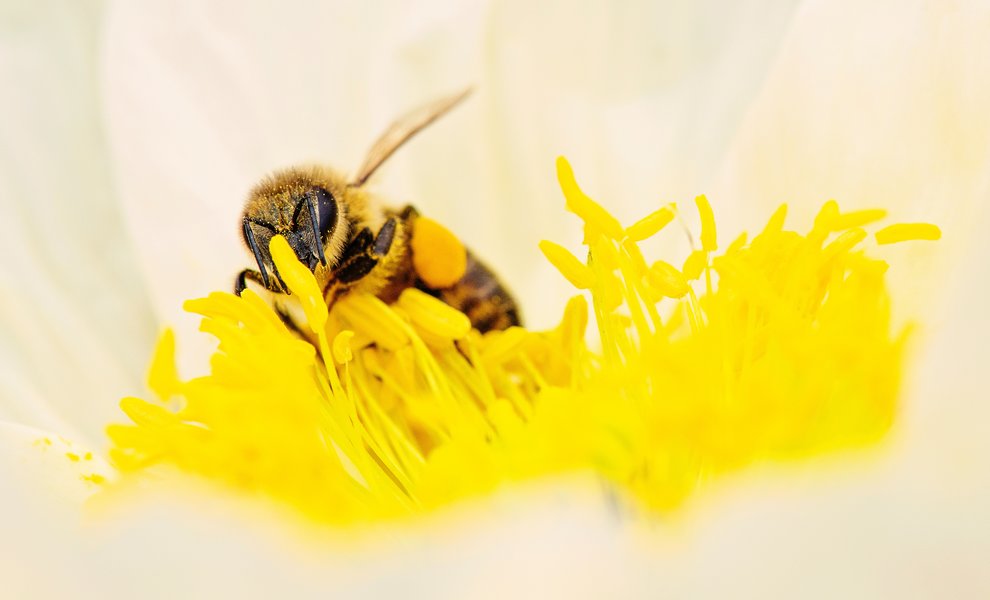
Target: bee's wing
(401, 130)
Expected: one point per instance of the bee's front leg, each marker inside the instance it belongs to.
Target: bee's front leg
(241, 283)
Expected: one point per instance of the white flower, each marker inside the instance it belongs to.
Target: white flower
(132, 132)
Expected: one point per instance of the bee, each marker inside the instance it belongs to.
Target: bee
(352, 242)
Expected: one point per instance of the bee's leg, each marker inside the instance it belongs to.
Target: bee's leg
(383, 241)
(357, 246)
(354, 262)
(241, 283)
(355, 268)
(363, 253)
(253, 243)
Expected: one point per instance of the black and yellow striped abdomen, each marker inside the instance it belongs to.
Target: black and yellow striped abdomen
(479, 295)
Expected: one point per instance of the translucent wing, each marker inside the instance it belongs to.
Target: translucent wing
(402, 130)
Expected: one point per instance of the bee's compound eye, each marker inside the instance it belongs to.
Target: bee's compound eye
(314, 222)
(326, 210)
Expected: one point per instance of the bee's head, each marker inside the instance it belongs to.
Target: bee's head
(301, 207)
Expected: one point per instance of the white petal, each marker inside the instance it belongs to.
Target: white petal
(74, 318)
(551, 541)
(61, 467)
(46, 479)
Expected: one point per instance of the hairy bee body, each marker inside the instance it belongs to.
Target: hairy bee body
(352, 243)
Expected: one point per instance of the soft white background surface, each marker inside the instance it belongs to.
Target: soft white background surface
(131, 132)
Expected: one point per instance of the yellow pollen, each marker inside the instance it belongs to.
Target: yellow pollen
(438, 255)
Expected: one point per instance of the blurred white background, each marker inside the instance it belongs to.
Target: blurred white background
(130, 133)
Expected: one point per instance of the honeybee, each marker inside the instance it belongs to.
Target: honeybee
(352, 242)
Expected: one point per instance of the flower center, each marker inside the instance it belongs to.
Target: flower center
(778, 347)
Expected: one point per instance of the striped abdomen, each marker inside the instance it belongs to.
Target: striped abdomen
(479, 295)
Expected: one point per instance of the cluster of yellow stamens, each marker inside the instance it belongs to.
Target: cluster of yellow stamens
(777, 347)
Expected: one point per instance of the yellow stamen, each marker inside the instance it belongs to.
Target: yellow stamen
(163, 379)
(695, 264)
(504, 345)
(776, 222)
(858, 218)
(737, 244)
(903, 232)
(342, 346)
(594, 216)
(300, 281)
(147, 414)
(844, 243)
(667, 280)
(570, 267)
(827, 217)
(651, 224)
(434, 315)
(369, 316)
(708, 242)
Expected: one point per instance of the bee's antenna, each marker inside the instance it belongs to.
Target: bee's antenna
(314, 218)
(253, 243)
